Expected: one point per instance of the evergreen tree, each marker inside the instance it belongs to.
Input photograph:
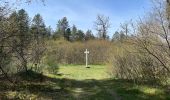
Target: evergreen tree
(74, 30)
(62, 26)
(116, 36)
(38, 27)
(80, 36)
(122, 36)
(39, 32)
(68, 34)
(89, 35)
(49, 31)
(23, 40)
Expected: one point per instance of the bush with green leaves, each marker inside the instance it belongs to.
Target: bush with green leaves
(52, 64)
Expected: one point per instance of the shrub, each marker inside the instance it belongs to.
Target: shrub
(52, 64)
(73, 53)
(132, 64)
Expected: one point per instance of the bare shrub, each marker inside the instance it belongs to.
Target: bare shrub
(73, 53)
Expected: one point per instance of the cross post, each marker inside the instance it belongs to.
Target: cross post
(86, 52)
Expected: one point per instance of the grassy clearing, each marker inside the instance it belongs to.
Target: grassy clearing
(75, 82)
(79, 72)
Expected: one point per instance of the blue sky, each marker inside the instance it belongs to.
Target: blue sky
(83, 13)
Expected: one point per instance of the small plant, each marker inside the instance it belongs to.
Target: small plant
(52, 64)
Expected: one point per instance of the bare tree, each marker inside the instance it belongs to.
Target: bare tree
(126, 27)
(151, 59)
(102, 24)
(153, 35)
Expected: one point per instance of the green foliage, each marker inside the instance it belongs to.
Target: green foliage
(118, 36)
(80, 72)
(52, 63)
(80, 36)
(68, 34)
(74, 30)
(62, 26)
(86, 85)
(38, 27)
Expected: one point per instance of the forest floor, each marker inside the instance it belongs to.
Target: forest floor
(75, 82)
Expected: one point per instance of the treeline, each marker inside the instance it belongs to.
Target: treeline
(71, 33)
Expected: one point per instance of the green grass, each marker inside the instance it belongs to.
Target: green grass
(80, 72)
(75, 82)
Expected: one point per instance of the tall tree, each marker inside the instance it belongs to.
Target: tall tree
(38, 26)
(102, 24)
(49, 31)
(39, 33)
(80, 36)
(74, 30)
(68, 34)
(116, 36)
(125, 28)
(22, 42)
(62, 26)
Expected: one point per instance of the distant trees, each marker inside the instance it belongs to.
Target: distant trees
(68, 34)
(89, 35)
(74, 30)
(49, 32)
(80, 36)
(102, 24)
(115, 36)
(125, 28)
(71, 33)
(38, 27)
(118, 36)
(62, 27)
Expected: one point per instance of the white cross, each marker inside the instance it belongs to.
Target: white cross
(86, 52)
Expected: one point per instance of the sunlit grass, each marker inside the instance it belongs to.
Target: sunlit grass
(80, 72)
